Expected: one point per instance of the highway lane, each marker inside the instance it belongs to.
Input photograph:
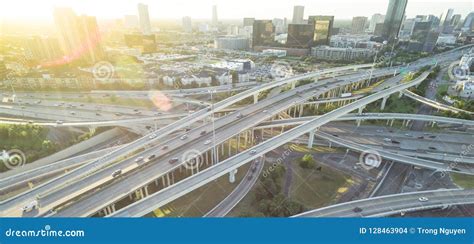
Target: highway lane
(395, 204)
(182, 187)
(434, 104)
(249, 180)
(394, 156)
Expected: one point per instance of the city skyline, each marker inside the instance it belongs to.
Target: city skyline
(341, 9)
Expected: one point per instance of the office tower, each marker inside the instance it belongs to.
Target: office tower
(358, 24)
(79, 36)
(378, 29)
(130, 21)
(300, 35)
(419, 37)
(279, 25)
(393, 19)
(263, 33)
(248, 21)
(215, 21)
(455, 20)
(434, 21)
(144, 18)
(468, 25)
(187, 24)
(407, 28)
(298, 13)
(421, 17)
(322, 28)
(376, 19)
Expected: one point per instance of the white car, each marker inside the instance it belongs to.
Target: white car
(139, 159)
(30, 206)
(183, 137)
(423, 199)
(253, 152)
(59, 122)
(207, 142)
(152, 136)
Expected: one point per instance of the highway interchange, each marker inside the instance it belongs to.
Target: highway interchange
(90, 187)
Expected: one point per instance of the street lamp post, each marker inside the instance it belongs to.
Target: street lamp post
(214, 155)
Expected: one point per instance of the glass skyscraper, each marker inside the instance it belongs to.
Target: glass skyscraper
(393, 19)
(322, 28)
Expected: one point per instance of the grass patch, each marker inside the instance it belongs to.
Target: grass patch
(464, 181)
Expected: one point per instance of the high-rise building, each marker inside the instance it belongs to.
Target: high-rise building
(376, 19)
(446, 27)
(144, 18)
(79, 36)
(434, 21)
(248, 21)
(322, 28)
(263, 33)
(468, 25)
(393, 19)
(407, 28)
(187, 24)
(215, 21)
(455, 20)
(298, 15)
(419, 38)
(130, 21)
(279, 25)
(300, 35)
(378, 29)
(358, 24)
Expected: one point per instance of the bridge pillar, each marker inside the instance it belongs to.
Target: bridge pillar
(232, 176)
(384, 101)
(293, 85)
(400, 94)
(311, 139)
(361, 109)
(113, 207)
(146, 191)
(301, 110)
(255, 98)
(391, 122)
(358, 122)
(238, 142)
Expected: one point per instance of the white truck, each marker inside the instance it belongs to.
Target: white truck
(346, 94)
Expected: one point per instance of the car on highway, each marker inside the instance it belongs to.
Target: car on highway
(432, 148)
(149, 158)
(97, 114)
(173, 160)
(357, 210)
(252, 152)
(239, 116)
(139, 159)
(265, 111)
(116, 173)
(118, 114)
(151, 136)
(59, 122)
(30, 206)
(207, 142)
(183, 137)
(203, 132)
(395, 142)
(387, 139)
(30, 122)
(164, 147)
(73, 113)
(423, 199)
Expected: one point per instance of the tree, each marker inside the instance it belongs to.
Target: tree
(307, 162)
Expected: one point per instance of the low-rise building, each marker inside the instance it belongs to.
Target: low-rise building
(343, 54)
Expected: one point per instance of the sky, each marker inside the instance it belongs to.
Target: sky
(227, 9)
